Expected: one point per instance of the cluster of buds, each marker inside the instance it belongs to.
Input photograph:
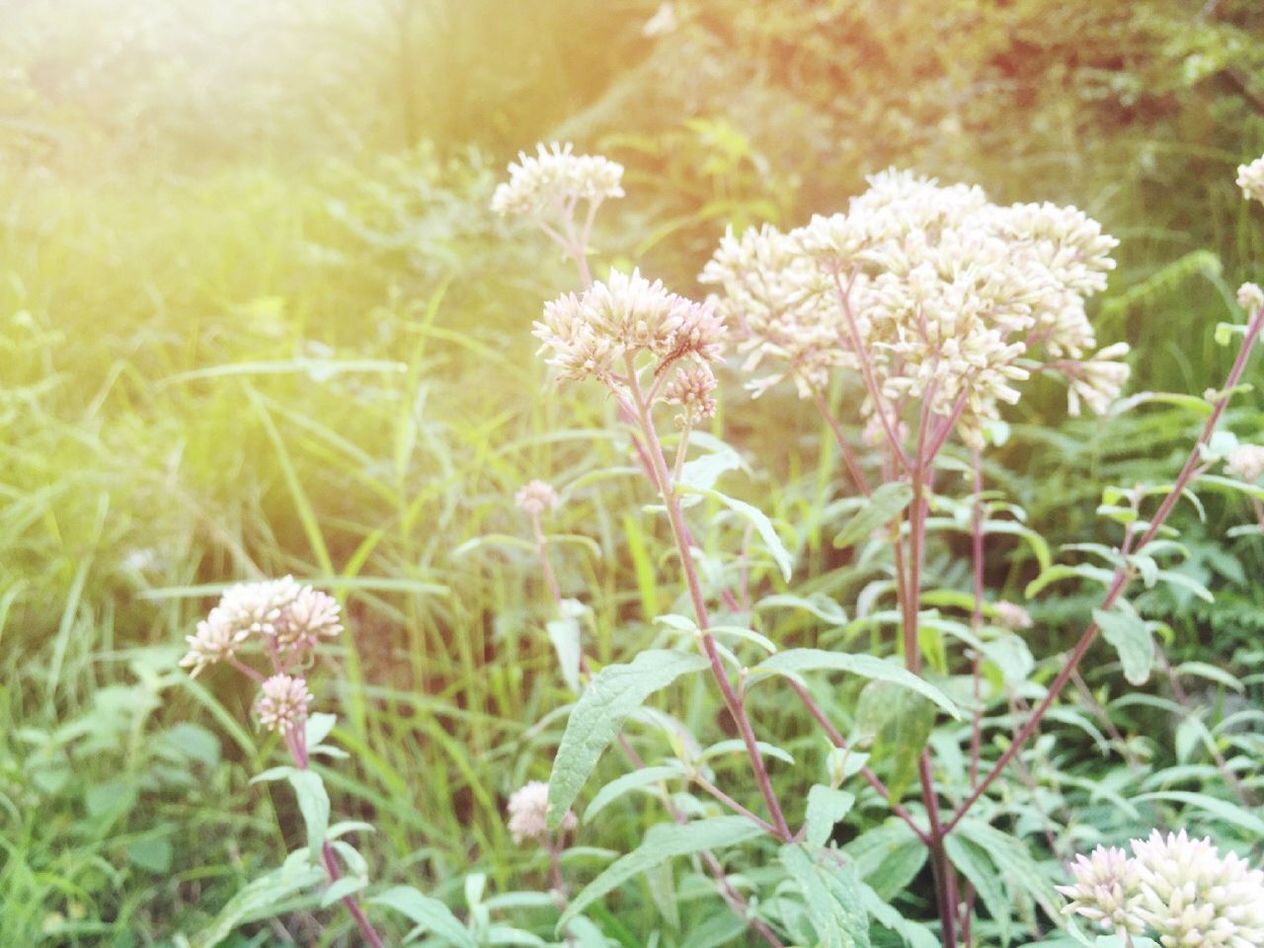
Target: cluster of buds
(1251, 180)
(942, 295)
(1180, 891)
(528, 814)
(280, 617)
(1246, 462)
(536, 498)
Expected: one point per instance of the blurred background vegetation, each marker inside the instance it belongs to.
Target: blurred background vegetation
(256, 318)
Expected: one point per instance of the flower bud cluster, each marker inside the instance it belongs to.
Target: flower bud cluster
(1251, 180)
(282, 703)
(1178, 890)
(942, 294)
(592, 335)
(551, 182)
(536, 498)
(1246, 462)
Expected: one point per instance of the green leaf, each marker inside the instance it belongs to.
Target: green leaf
(614, 693)
(702, 472)
(258, 897)
(1131, 638)
(662, 842)
(880, 508)
(757, 519)
(900, 723)
(313, 803)
(347, 885)
(566, 633)
(981, 873)
(1221, 809)
(318, 727)
(151, 854)
(833, 900)
(1014, 862)
(888, 857)
(826, 806)
(428, 913)
(636, 780)
(796, 660)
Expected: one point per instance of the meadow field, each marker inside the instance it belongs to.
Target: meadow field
(813, 631)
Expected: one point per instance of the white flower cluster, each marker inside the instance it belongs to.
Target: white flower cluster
(1246, 462)
(692, 389)
(535, 498)
(1251, 297)
(282, 703)
(941, 294)
(592, 335)
(1181, 891)
(1251, 179)
(528, 813)
(554, 180)
(285, 613)
(1012, 616)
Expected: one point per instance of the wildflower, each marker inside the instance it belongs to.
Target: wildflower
(215, 640)
(1251, 179)
(528, 813)
(1191, 895)
(554, 179)
(662, 22)
(1251, 297)
(282, 703)
(692, 389)
(311, 616)
(1179, 890)
(937, 292)
(592, 335)
(1012, 616)
(1105, 891)
(535, 498)
(1246, 462)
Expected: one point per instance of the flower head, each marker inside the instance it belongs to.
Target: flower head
(536, 497)
(938, 293)
(1251, 179)
(1246, 462)
(1012, 616)
(1105, 890)
(215, 640)
(1251, 297)
(1180, 891)
(528, 813)
(311, 616)
(282, 703)
(592, 335)
(256, 608)
(554, 179)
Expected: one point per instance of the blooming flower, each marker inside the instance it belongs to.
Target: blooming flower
(1251, 179)
(311, 616)
(592, 335)
(528, 813)
(1246, 461)
(1180, 891)
(553, 180)
(939, 293)
(1251, 297)
(1012, 616)
(282, 703)
(215, 640)
(535, 498)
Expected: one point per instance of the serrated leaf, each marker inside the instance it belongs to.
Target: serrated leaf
(1131, 638)
(663, 842)
(832, 898)
(981, 873)
(614, 693)
(1019, 871)
(900, 723)
(797, 660)
(826, 807)
(879, 509)
(888, 857)
(428, 913)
